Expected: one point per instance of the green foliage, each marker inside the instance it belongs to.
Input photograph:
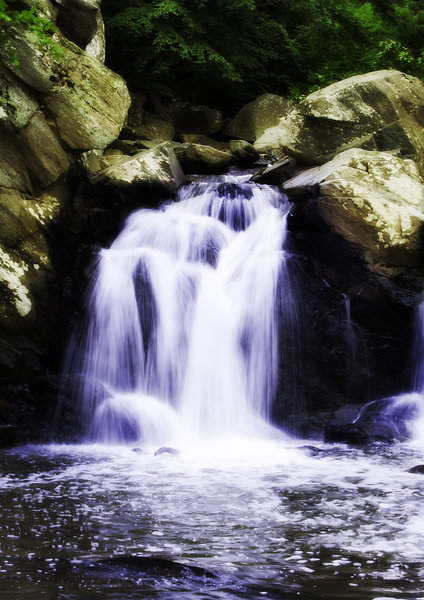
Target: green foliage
(26, 19)
(225, 52)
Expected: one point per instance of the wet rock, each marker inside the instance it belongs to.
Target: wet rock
(417, 469)
(244, 153)
(139, 450)
(166, 450)
(276, 173)
(347, 434)
(312, 451)
(254, 118)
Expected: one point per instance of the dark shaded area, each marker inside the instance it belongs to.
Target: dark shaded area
(333, 353)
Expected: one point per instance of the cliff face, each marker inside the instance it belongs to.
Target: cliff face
(53, 106)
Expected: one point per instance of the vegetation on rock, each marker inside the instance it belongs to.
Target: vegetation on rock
(29, 19)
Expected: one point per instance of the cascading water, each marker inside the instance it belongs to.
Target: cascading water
(182, 333)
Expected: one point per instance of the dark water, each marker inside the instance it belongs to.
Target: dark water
(224, 521)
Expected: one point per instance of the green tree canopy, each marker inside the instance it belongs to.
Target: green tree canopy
(226, 52)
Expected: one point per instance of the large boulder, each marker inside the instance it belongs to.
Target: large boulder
(374, 200)
(86, 100)
(157, 168)
(382, 110)
(254, 118)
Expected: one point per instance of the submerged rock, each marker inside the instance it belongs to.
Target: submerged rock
(166, 450)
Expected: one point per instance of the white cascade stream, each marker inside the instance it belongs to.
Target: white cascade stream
(181, 340)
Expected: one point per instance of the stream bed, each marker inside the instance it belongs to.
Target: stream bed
(225, 520)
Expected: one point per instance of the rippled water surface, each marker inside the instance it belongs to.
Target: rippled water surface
(250, 520)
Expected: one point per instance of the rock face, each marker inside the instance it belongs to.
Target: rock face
(254, 118)
(56, 104)
(382, 110)
(372, 199)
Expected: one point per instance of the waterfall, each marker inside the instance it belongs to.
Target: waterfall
(181, 339)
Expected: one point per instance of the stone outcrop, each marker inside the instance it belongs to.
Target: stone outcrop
(253, 119)
(372, 199)
(382, 110)
(156, 168)
(55, 104)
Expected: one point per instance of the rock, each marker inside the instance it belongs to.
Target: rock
(81, 22)
(198, 119)
(136, 109)
(41, 150)
(148, 127)
(276, 173)
(204, 140)
(312, 451)
(166, 450)
(417, 469)
(243, 152)
(96, 47)
(196, 158)
(94, 161)
(259, 115)
(90, 105)
(374, 200)
(88, 101)
(13, 435)
(382, 110)
(13, 171)
(351, 434)
(156, 168)
(385, 420)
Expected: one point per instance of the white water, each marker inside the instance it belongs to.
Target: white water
(181, 341)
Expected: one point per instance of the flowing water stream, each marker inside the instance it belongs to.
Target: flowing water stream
(180, 350)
